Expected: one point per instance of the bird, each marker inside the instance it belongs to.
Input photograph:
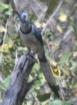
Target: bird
(32, 38)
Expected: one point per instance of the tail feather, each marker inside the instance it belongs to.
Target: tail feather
(45, 66)
(49, 77)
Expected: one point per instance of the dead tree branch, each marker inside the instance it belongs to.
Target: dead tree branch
(19, 85)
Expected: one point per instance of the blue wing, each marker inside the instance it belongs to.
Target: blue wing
(37, 32)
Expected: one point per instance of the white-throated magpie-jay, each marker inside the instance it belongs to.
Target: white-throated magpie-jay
(32, 38)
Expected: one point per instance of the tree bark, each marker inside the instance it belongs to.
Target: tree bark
(19, 85)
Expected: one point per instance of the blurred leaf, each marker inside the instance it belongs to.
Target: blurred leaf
(67, 103)
(56, 71)
(2, 29)
(40, 82)
(5, 83)
(56, 102)
(59, 28)
(59, 102)
(5, 47)
(4, 7)
(63, 17)
(73, 25)
(44, 92)
(1, 59)
(38, 24)
(43, 97)
(8, 12)
(65, 58)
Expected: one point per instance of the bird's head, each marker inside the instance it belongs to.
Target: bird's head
(23, 16)
(24, 20)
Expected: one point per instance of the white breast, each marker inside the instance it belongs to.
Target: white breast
(30, 41)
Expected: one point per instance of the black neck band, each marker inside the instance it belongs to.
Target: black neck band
(26, 32)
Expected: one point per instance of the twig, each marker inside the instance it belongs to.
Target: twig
(56, 11)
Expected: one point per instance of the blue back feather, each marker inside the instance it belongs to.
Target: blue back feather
(37, 32)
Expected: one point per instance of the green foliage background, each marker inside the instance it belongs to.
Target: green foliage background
(12, 43)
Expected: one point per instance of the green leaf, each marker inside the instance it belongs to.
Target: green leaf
(67, 103)
(3, 7)
(43, 97)
(5, 83)
(65, 58)
(56, 102)
(59, 102)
